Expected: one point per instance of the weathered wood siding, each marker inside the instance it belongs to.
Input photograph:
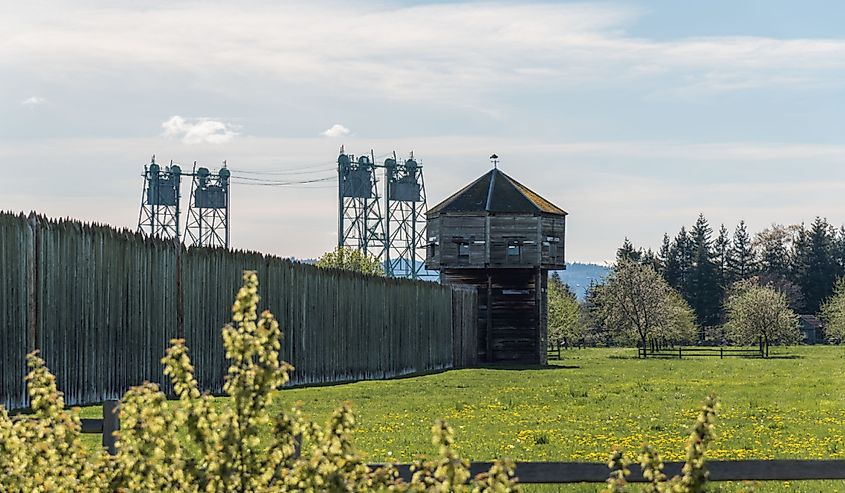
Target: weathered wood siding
(522, 229)
(465, 326)
(487, 237)
(104, 305)
(16, 263)
(432, 248)
(454, 230)
(511, 312)
(553, 227)
(516, 319)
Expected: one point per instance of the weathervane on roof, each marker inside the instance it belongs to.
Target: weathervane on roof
(495, 160)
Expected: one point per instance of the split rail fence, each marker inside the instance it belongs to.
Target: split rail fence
(102, 304)
(719, 352)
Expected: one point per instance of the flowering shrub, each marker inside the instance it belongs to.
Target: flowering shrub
(190, 445)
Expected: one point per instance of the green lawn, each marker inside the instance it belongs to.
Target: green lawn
(790, 406)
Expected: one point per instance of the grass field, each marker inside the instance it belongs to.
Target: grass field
(789, 406)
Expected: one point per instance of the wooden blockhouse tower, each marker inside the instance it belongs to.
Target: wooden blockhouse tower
(500, 237)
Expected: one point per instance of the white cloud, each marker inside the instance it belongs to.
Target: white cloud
(447, 52)
(201, 130)
(33, 101)
(337, 130)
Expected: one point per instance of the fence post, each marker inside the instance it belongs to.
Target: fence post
(679, 353)
(111, 423)
(297, 446)
(721, 352)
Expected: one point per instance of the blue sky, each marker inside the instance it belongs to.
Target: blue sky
(633, 116)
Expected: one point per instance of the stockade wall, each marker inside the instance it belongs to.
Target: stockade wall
(101, 305)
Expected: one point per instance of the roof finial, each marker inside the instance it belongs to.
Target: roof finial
(495, 160)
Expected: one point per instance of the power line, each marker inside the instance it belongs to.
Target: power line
(275, 183)
(269, 180)
(299, 187)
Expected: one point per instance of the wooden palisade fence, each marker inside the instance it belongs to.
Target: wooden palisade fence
(102, 304)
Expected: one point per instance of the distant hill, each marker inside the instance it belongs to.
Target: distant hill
(579, 276)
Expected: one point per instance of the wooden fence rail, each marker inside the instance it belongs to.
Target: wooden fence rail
(720, 470)
(720, 352)
(582, 472)
(102, 304)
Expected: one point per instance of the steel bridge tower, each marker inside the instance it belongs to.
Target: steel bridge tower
(159, 216)
(208, 210)
(360, 222)
(405, 203)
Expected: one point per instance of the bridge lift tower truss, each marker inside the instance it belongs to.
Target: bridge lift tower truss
(208, 211)
(159, 216)
(360, 221)
(397, 238)
(405, 203)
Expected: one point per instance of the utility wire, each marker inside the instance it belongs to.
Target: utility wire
(273, 183)
(293, 171)
(268, 180)
(300, 187)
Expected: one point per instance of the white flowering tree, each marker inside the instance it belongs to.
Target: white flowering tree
(833, 313)
(760, 313)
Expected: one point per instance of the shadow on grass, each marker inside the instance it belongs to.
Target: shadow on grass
(517, 366)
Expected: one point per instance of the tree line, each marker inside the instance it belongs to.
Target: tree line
(802, 262)
(748, 288)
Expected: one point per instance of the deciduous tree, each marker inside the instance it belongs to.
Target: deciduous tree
(760, 313)
(565, 325)
(833, 313)
(637, 304)
(773, 245)
(347, 258)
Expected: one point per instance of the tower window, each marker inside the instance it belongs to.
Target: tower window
(463, 249)
(514, 252)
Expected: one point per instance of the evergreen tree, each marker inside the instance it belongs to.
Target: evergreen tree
(741, 256)
(814, 264)
(650, 259)
(722, 256)
(839, 252)
(679, 265)
(704, 292)
(627, 252)
(663, 254)
(596, 332)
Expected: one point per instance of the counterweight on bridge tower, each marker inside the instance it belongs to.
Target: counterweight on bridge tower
(405, 203)
(159, 216)
(360, 221)
(208, 211)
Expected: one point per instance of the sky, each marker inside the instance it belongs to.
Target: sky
(634, 116)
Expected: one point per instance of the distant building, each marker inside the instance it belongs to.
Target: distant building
(812, 329)
(500, 237)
